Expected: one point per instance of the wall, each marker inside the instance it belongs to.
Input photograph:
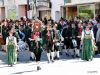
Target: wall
(56, 8)
(97, 7)
(21, 2)
(1, 3)
(2, 12)
(21, 10)
(71, 12)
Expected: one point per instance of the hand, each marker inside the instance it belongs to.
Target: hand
(30, 39)
(78, 37)
(94, 43)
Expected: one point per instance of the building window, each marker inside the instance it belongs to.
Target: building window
(67, 1)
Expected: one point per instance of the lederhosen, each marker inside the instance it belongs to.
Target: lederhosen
(74, 34)
(28, 32)
(67, 33)
(37, 49)
(56, 40)
(43, 35)
(49, 41)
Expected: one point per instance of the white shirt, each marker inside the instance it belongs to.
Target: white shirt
(87, 32)
(15, 40)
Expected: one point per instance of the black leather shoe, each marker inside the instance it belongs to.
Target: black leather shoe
(38, 68)
(60, 53)
(57, 58)
(32, 59)
(52, 61)
(67, 54)
(11, 65)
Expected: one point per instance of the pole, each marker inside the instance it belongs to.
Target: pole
(34, 7)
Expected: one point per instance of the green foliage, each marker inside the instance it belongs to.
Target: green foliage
(12, 14)
(86, 12)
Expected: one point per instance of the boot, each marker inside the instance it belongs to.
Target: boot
(38, 68)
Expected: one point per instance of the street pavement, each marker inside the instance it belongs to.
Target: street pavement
(65, 66)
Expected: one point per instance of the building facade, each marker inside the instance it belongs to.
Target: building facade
(56, 10)
(13, 9)
(39, 8)
(2, 9)
(88, 8)
(45, 8)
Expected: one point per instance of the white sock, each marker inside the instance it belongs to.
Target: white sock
(57, 54)
(71, 51)
(65, 48)
(77, 52)
(38, 63)
(32, 55)
(48, 55)
(68, 51)
(52, 55)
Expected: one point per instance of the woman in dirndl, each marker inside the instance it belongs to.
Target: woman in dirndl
(87, 41)
(11, 45)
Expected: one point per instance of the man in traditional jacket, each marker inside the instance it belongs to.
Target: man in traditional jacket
(66, 34)
(43, 35)
(36, 44)
(56, 41)
(36, 27)
(49, 43)
(28, 32)
(4, 33)
(74, 34)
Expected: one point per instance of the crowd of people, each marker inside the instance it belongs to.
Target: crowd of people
(80, 37)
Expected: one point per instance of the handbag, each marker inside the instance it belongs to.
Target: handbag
(95, 48)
